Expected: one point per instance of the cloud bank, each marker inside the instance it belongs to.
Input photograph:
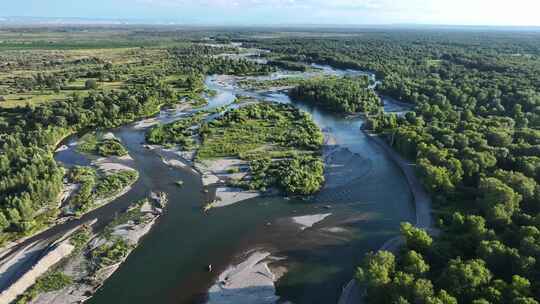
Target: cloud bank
(461, 12)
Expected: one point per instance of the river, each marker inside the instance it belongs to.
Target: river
(366, 193)
(368, 197)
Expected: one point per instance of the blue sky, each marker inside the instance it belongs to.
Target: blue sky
(459, 12)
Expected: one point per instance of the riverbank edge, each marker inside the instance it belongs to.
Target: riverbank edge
(351, 293)
(5, 249)
(158, 205)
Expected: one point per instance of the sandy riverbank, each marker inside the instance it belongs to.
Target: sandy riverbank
(115, 163)
(29, 263)
(249, 282)
(218, 172)
(88, 272)
(308, 221)
(214, 173)
(351, 293)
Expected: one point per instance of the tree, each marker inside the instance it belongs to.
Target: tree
(416, 238)
(435, 178)
(520, 183)
(302, 175)
(465, 279)
(502, 260)
(499, 138)
(91, 84)
(414, 263)
(4, 222)
(442, 298)
(497, 200)
(376, 273)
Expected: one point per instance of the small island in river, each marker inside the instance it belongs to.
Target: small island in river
(252, 148)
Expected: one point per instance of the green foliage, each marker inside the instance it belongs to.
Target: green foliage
(111, 147)
(416, 238)
(385, 284)
(276, 127)
(414, 263)
(91, 84)
(81, 238)
(110, 253)
(180, 132)
(466, 279)
(114, 183)
(342, 95)
(301, 175)
(50, 281)
(377, 269)
(94, 187)
(53, 281)
(280, 142)
(497, 200)
(289, 65)
(196, 58)
(96, 144)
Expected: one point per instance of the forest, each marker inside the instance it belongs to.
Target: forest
(474, 135)
(342, 95)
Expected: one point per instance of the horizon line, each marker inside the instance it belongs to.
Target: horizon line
(100, 21)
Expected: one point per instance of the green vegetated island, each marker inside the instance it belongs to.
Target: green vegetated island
(280, 144)
(474, 133)
(344, 95)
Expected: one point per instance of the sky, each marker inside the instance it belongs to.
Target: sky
(287, 12)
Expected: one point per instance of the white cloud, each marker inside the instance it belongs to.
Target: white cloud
(515, 12)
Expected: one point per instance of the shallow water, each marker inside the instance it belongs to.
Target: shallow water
(367, 195)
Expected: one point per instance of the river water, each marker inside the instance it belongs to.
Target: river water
(366, 193)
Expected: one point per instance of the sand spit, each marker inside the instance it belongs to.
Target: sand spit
(110, 164)
(62, 148)
(226, 196)
(87, 273)
(222, 169)
(308, 221)
(13, 264)
(214, 173)
(145, 123)
(56, 254)
(249, 282)
(219, 172)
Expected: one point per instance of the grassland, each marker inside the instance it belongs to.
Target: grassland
(70, 68)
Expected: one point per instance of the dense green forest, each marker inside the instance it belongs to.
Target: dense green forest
(341, 95)
(474, 134)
